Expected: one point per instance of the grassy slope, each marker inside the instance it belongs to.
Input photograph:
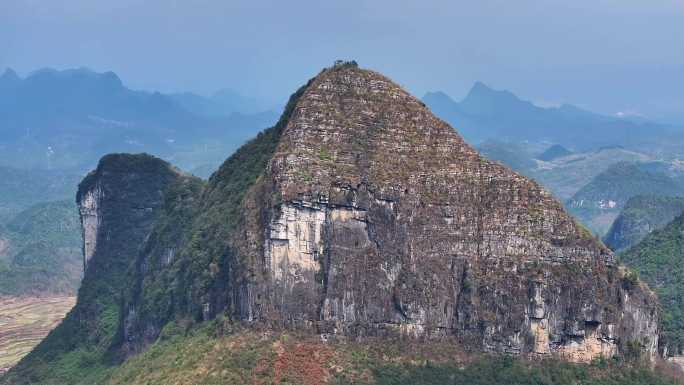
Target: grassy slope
(659, 260)
(217, 354)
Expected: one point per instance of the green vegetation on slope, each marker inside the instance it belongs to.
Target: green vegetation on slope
(82, 344)
(598, 203)
(624, 180)
(42, 251)
(88, 344)
(567, 175)
(659, 260)
(199, 234)
(217, 352)
(641, 215)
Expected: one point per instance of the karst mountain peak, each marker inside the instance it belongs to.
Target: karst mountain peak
(358, 215)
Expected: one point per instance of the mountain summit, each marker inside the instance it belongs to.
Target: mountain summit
(362, 214)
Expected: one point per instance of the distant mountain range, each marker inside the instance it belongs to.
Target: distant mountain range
(486, 113)
(70, 118)
(221, 103)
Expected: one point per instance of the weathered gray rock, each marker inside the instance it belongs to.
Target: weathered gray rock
(374, 218)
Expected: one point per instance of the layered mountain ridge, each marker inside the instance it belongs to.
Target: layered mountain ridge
(359, 214)
(69, 119)
(486, 113)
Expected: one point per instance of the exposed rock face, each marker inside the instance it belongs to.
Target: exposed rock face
(118, 205)
(90, 221)
(362, 214)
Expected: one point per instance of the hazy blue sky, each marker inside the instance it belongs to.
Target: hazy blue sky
(606, 55)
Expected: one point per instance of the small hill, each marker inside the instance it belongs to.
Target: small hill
(659, 260)
(567, 175)
(641, 215)
(599, 202)
(41, 251)
(554, 152)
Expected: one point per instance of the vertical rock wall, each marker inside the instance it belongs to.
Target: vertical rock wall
(90, 221)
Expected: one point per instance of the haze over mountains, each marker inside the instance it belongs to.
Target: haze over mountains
(327, 225)
(59, 123)
(69, 119)
(486, 113)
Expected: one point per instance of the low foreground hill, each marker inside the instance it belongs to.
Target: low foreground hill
(360, 218)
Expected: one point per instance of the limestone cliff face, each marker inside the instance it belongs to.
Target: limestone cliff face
(366, 215)
(118, 203)
(386, 222)
(88, 207)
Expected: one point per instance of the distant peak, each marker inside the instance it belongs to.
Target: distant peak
(479, 86)
(432, 96)
(480, 89)
(81, 74)
(9, 74)
(483, 99)
(554, 152)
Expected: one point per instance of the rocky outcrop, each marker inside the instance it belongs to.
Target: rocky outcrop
(365, 215)
(119, 203)
(90, 221)
(387, 223)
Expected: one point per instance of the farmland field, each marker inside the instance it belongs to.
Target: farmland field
(24, 321)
